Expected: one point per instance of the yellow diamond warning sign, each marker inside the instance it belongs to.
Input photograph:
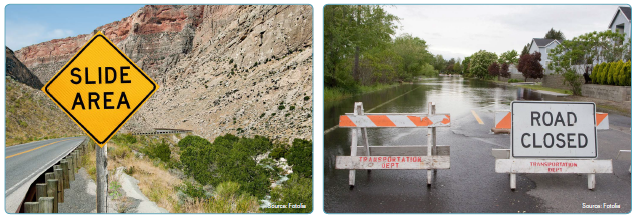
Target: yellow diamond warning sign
(100, 88)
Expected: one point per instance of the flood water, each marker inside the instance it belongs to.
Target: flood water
(453, 95)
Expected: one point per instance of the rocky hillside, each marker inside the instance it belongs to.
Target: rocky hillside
(31, 115)
(17, 71)
(221, 69)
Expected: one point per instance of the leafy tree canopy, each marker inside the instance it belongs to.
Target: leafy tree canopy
(509, 57)
(553, 34)
(480, 62)
(530, 67)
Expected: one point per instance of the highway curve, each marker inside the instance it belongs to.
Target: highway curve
(25, 162)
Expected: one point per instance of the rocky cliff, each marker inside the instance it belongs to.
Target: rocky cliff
(17, 71)
(239, 69)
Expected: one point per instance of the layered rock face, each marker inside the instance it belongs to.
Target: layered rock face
(20, 73)
(239, 69)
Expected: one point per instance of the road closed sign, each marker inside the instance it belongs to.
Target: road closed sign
(541, 129)
(100, 88)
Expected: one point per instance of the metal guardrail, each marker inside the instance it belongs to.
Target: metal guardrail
(166, 132)
(46, 189)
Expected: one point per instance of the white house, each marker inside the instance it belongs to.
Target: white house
(544, 47)
(621, 22)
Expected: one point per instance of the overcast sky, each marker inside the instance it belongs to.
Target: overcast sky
(460, 30)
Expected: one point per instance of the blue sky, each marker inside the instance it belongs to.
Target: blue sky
(31, 24)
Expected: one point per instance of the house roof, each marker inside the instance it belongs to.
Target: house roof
(625, 11)
(542, 42)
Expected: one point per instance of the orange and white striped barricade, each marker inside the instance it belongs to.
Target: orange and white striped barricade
(411, 157)
(552, 137)
(602, 121)
(625, 155)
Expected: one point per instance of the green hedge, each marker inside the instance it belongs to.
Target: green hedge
(614, 73)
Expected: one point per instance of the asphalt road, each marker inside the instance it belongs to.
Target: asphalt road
(25, 162)
(471, 185)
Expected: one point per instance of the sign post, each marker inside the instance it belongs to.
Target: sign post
(100, 88)
(407, 157)
(552, 137)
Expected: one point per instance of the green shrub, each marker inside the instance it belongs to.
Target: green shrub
(618, 72)
(125, 139)
(604, 75)
(278, 152)
(192, 190)
(594, 73)
(610, 76)
(300, 157)
(159, 150)
(281, 107)
(513, 81)
(229, 159)
(192, 140)
(292, 107)
(296, 190)
(614, 73)
(627, 73)
(306, 98)
(229, 199)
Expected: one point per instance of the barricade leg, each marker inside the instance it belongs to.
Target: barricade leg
(366, 143)
(591, 181)
(352, 173)
(512, 181)
(430, 142)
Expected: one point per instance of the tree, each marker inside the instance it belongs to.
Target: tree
(494, 69)
(529, 65)
(228, 158)
(300, 157)
(480, 61)
(465, 65)
(509, 57)
(429, 71)
(504, 70)
(457, 68)
(414, 54)
(439, 63)
(352, 30)
(584, 51)
(526, 49)
(552, 34)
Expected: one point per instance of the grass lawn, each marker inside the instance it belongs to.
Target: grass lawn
(536, 87)
(333, 94)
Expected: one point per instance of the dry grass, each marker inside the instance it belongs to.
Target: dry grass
(158, 184)
(154, 181)
(31, 116)
(195, 206)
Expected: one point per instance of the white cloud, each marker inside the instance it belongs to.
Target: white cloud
(59, 33)
(21, 34)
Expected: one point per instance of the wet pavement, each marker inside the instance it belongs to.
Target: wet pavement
(471, 185)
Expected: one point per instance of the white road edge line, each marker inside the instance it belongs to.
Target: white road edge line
(40, 170)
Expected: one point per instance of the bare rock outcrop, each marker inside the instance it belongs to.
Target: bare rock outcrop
(20, 73)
